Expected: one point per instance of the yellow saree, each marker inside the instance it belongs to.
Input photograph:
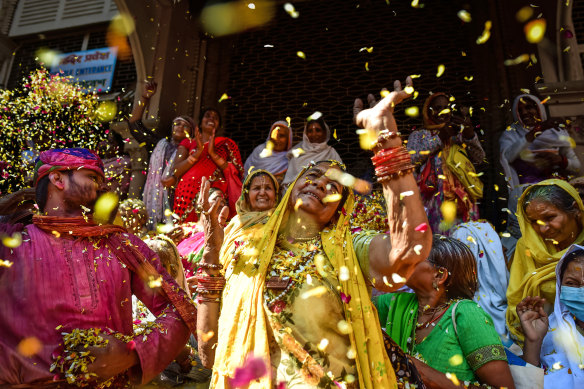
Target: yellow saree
(243, 322)
(534, 263)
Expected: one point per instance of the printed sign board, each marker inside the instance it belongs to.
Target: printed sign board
(92, 69)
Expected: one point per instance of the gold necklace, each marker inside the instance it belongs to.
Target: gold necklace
(288, 268)
(420, 326)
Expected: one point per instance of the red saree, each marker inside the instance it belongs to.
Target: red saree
(228, 180)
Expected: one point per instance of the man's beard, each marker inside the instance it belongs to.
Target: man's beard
(80, 197)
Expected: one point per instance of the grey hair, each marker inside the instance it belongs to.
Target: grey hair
(551, 194)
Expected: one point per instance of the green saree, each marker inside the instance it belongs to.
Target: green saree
(460, 352)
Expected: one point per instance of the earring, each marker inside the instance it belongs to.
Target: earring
(434, 285)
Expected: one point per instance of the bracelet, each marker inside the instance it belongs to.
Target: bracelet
(202, 291)
(391, 163)
(395, 175)
(199, 272)
(206, 299)
(210, 284)
(205, 265)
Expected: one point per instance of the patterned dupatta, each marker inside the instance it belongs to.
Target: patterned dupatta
(243, 325)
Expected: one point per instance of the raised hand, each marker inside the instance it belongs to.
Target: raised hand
(210, 215)
(380, 118)
(149, 89)
(195, 154)
(534, 320)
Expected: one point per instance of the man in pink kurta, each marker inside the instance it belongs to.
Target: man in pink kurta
(58, 281)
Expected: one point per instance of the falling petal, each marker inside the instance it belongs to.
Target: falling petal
(315, 116)
(418, 249)
(448, 209)
(422, 227)
(452, 377)
(412, 111)
(223, 97)
(314, 292)
(104, 207)
(297, 152)
(464, 15)
(344, 274)
(301, 54)
(367, 138)
(267, 151)
(398, 279)
(367, 49)
(205, 336)
(455, 360)
(440, 71)
(345, 298)
(289, 8)
(516, 61)
(486, 33)
(12, 242)
(351, 354)
(322, 345)
(29, 347)
(402, 195)
(154, 282)
(524, 14)
(332, 198)
(6, 263)
(535, 30)
(344, 327)
(253, 368)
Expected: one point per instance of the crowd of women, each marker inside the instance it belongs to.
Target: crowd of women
(460, 308)
(293, 289)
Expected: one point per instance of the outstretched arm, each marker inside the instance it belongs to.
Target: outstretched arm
(138, 109)
(11, 202)
(209, 305)
(393, 257)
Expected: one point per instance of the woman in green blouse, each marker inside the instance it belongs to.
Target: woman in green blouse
(452, 339)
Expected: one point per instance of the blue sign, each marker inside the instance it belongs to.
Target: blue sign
(92, 69)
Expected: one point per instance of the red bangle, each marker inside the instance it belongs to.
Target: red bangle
(392, 162)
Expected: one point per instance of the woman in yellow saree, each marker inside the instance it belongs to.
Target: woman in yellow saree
(297, 296)
(551, 216)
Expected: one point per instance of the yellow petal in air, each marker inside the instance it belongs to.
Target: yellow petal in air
(464, 15)
(535, 30)
(332, 198)
(412, 111)
(486, 33)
